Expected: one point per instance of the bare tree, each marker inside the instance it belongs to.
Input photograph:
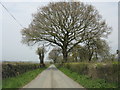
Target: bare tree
(54, 54)
(92, 49)
(41, 52)
(97, 47)
(65, 24)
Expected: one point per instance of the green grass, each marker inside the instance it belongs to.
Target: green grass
(86, 81)
(0, 84)
(21, 80)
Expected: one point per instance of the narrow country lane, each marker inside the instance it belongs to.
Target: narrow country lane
(52, 78)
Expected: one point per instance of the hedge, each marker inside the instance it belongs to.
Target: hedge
(108, 72)
(12, 70)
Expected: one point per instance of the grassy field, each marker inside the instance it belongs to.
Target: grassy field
(21, 80)
(86, 81)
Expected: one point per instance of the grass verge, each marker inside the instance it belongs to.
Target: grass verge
(21, 80)
(86, 81)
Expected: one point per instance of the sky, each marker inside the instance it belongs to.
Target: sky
(13, 50)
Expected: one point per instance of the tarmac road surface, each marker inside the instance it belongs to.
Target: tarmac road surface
(52, 78)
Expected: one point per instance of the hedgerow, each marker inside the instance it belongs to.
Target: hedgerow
(108, 72)
(12, 70)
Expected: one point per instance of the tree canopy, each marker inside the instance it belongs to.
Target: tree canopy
(65, 24)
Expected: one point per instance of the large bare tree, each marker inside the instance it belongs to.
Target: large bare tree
(65, 24)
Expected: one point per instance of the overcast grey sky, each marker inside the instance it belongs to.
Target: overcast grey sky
(14, 50)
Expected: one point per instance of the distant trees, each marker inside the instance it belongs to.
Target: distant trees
(41, 52)
(97, 48)
(55, 54)
(83, 53)
(66, 24)
(94, 49)
(74, 53)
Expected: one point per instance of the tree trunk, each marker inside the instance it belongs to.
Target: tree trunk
(64, 48)
(65, 55)
(96, 56)
(90, 57)
(41, 61)
(76, 59)
(54, 61)
(41, 57)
